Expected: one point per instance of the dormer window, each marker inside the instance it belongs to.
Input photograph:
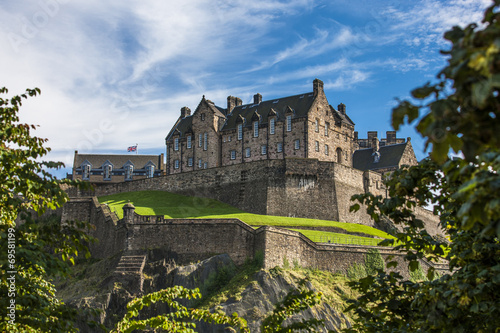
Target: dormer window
(150, 171)
(86, 171)
(176, 144)
(189, 139)
(327, 125)
(129, 171)
(107, 171)
(240, 131)
(289, 123)
(255, 129)
(202, 117)
(272, 125)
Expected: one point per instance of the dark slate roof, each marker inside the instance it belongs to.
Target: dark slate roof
(300, 104)
(389, 157)
(340, 116)
(182, 127)
(118, 161)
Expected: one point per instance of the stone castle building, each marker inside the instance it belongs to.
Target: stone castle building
(299, 126)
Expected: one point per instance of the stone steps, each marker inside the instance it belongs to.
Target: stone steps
(131, 264)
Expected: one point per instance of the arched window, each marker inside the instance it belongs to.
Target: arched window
(339, 155)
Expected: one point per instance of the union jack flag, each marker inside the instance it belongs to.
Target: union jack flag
(131, 148)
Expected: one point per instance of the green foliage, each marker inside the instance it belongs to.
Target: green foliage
(31, 251)
(294, 302)
(463, 114)
(180, 319)
(463, 108)
(372, 264)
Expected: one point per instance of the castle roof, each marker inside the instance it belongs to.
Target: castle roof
(299, 104)
(390, 157)
(118, 161)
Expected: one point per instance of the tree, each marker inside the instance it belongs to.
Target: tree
(32, 252)
(461, 112)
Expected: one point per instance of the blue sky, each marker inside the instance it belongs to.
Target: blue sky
(116, 73)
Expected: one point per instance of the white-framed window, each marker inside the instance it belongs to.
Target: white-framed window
(316, 128)
(297, 144)
(176, 164)
(279, 147)
(150, 171)
(205, 141)
(189, 139)
(129, 171)
(247, 152)
(233, 154)
(176, 144)
(272, 125)
(317, 145)
(326, 149)
(327, 125)
(240, 131)
(255, 129)
(205, 165)
(199, 163)
(190, 161)
(86, 172)
(263, 150)
(107, 172)
(200, 139)
(289, 123)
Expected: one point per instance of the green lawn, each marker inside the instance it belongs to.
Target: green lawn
(179, 206)
(337, 238)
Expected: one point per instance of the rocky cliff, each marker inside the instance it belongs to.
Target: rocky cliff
(246, 290)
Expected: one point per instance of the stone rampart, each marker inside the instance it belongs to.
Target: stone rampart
(188, 240)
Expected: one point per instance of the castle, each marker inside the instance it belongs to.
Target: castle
(294, 156)
(299, 126)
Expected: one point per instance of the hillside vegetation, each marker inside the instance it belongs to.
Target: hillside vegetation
(179, 206)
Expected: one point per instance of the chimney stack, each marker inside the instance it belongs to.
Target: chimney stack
(390, 137)
(341, 108)
(371, 136)
(185, 111)
(317, 87)
(232, 102)
(257, 98)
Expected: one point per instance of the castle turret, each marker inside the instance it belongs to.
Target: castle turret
(128, 212)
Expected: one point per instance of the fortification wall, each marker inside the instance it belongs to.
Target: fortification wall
(110, 234)
(295, 187)
(188, 240)
(282, 246)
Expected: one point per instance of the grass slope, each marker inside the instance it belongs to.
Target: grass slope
(179, 206)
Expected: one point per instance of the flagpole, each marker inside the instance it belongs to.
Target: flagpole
(137, 149)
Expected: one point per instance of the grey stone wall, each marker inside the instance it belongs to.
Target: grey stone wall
(110, 234)
(294, 187)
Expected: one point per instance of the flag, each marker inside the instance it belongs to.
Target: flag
(131, 148)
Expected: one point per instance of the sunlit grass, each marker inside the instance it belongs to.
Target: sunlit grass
(179, 206)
